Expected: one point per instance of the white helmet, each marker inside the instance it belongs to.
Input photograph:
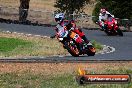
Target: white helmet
(59, 17)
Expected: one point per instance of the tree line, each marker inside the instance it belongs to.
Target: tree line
(120, 8)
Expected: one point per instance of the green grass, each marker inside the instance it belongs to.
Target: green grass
(12, 45)
(8, 44)
(30, 80)
(12, 80)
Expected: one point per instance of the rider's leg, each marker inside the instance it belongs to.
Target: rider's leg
(105, 27)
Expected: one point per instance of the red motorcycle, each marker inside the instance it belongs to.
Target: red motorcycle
(71, 41)
(111, 27)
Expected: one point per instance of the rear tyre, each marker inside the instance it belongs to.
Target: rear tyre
(91, 51)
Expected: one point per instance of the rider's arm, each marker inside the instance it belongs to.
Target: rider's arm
(109, 14)
(56, 29)
(100, 17)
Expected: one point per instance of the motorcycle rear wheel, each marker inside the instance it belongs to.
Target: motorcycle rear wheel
(91, 51)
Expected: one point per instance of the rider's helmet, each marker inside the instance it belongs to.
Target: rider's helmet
(103, 11)
(59, 17)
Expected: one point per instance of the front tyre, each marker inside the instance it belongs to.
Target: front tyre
(72, 49)
(107, 32)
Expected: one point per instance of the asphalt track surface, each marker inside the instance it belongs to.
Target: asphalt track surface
(122, 45)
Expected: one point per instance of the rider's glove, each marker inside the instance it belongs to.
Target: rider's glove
(72, 28)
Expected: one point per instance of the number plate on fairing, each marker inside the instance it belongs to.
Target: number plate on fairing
(74, 35)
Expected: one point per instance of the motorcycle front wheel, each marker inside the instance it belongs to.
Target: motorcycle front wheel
(107, 32)
(72, 49)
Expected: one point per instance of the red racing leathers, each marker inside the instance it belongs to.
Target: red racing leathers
(74, 28)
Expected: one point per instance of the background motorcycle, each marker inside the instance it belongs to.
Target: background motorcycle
(111, 27)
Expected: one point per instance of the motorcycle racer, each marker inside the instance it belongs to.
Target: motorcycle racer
(103, 16)
(61, 24)
(59, 18)
(72, 37)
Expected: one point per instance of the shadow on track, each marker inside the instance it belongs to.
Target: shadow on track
(9, 21)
